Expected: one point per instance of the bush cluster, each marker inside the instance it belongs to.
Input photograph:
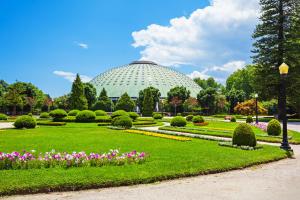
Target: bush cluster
(198, 119)
(3, 116)
(243, 135)
(274, 127)
(189, 118)
(44, 115)
(100, 113)
(233, 119)
(122, 121)
(86, 116)
(157, 116)
(178, 121)
(133, 115)
(58, 114)
(73, 112)
(119, 113)
(25, 121)
(104, 119)
(51, 123)
(249, 119)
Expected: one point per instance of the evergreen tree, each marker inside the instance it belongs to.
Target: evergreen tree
(207, 99)
(148, 103)
(104, 102)
(154, 93)
(90, 94)
(125, 103)
(274, 44)
(77, 98)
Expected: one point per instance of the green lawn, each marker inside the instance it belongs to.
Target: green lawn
(225, 129)
(168, 158)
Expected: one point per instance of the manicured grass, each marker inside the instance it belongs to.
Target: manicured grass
(168, 158)
(225, 129)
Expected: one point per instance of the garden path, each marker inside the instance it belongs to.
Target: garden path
(4, 125)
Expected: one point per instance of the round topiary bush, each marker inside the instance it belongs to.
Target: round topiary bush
(44, 115)
(249, 119)
(179, 114)
(58, 114)
(178, 121)
(73, 112)
(3, 116)
(122, 121)
(25, 121)
(29, 114)
(157, 116)
(233, 119)
(85, 116)
(198, 119)
(243, 135)
(133, 115)
(100, 113)
(274, 127)
(119, 113)
(189, 118)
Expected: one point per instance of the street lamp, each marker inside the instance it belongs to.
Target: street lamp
(256, 107)
(283, 70)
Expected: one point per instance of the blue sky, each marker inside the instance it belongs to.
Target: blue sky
(46, 42)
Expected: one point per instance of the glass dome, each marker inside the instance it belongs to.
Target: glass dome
(139, 75)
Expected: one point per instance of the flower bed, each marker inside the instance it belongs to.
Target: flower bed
(183, 139)
(32, 160)
(262, 126)
(201, 124)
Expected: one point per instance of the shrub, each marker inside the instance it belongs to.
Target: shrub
(189, 118)
(133, 115)
(104, 124)
(248, 108)
(3, 116)
(52, 123)
(178, 121)
(157, 116)
(179, 114)
(100, 113)
(243, 135)
(105, 119)
(44, 115)
(249, 119)
(233, 119)
(29, 114)
(201, 124)
(58, 114)
(198, 119)
(69, 119)
(73, 112)
(122, 121)
(119, 113)
(274, 127)
(86, 116)
(25, 121)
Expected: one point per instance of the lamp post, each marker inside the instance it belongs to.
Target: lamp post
(256, 108)
(283, 70)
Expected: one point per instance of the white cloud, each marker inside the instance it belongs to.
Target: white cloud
(197, 74)
(82, 45)
(212, 36)
(70, 76)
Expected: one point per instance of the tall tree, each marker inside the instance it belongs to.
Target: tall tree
(181, 93)
(148, 103)
(104, 102)
(272, 45)
(207, 99)
(14, 96)
(77, 98)
(125, 103)
(90, 94)
(175, 102)
(234, 97)
(155, 96)
(206, 83)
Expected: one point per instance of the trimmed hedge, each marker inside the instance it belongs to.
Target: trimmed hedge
(44, 115)
(243, 135)
(69, 119)
(133, 115)
(103, 119)
(58, 114)
(119, 113)
(25, 121)
(104, 124)
(100, 113)
(51, 123)
(86, 116)
(3, 116)
(144, 123)
(73, 112)
(178, 121)
(157, 116)
(274, 127)
(233, 119)
(249, 119)
(122, 121)
(189, 118)
(198, 119)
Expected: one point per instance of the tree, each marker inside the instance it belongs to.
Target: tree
(148, 103)
(48, 102)
(207, 99)
(175, 102)
(31, 101)
(90, 94)
(210, 82)
(103, 102)
(14, 96)
(222, 104)
(125, 103)
(77, 98)
(234, 97)
(62, 102)
(3, 89)
(181, 93)
(276, 41)
(154, 93)
(248, 108)
(190, 104)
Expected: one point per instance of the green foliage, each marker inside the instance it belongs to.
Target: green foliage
(52, 123)
(67, 119)
(77, 97)
(3, 116)
(44, 115)
(58, 114)
(157, 116)
(198, 119)
(249, 107)
(133, 115)
(122, 121)
(85, 116)
(178, 121)
(249, 119)
(209, 83)
(234, 96)
(207, 99)
(104, 119)
(73, 112)
(104, 102)
(155, 97)
(233, 119)
(90, 94)
(189, 118)
(25, 121)
(14, 96)
(271, 106)
(274, 127)
(148, 103)
(119, 113)
(125, 103)
(100, 113)
(62, 102)
(181, 92)
(243, 135)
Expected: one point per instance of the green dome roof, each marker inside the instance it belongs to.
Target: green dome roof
(139, 75)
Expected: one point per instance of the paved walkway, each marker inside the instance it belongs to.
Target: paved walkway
(4, 125)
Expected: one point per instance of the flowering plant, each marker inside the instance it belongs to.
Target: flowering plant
(30, 160)
(149, 133)
(260, 125)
